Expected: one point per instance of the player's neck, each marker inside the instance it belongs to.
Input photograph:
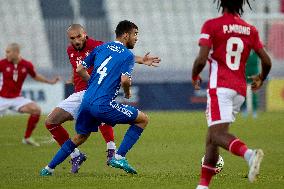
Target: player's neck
(16, 61)
(121, 41)
(226, 11)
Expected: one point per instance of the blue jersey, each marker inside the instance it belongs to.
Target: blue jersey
(111, 61)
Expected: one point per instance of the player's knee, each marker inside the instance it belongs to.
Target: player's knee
(50, 120)
(36, 110)
(144, 121)
(57, 117)
(80, 139)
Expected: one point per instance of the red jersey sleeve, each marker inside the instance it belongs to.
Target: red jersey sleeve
(257, 44)
(206, 35)
(31, 69)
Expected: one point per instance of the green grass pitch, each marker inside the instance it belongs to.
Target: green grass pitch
(167, 155)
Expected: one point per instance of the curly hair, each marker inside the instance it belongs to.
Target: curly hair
(233, 6)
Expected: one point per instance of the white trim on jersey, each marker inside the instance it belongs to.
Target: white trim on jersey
(204, 36)
(213, 74)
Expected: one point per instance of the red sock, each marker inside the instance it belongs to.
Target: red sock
(107, 132)
(33, 119)
(207, 172)
(58, 133)
(237, 147)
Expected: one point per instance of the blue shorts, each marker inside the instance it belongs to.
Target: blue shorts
(91, 116)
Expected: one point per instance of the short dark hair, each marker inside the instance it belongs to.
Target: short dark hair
(124, 26)
(75, 26)
(233, 6)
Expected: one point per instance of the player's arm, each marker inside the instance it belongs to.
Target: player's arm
(82, 71)
(258, 80)
(126, 72)
(84, 65)
(41, 78)
(38, 77)
(198, 66)
(148, 60)
(125, 84)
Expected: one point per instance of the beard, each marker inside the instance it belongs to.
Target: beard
(130, 45)
(78, 47)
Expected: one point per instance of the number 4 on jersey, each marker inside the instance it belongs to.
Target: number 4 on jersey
(102, 69)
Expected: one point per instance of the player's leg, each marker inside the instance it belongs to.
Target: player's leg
(108, 134)
(229, 103)
(137, 126)
(54, 125)
(34, 110)
(133, 133)
(208, 169)
(66, 149)
(224, 139)
(65, 111)
(54, 122)
(84, 126)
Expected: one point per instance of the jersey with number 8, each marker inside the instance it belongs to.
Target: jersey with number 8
(231, 40)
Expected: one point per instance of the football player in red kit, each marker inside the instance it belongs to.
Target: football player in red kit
(14, 70)
(231, 39)
(80, 47)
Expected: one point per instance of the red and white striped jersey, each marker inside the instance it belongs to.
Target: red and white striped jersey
(231, 40)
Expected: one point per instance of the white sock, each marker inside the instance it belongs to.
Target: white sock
(75, 153)
(111, 145)
(202, 187)
(118, 156)
(49, 169)
(248, 155)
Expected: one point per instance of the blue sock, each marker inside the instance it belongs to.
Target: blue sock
(66, 149)
(130, 138)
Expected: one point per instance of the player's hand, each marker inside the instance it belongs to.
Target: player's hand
(127, 95)
(69, 81)
(151, 60)
(256, 82)
(196, 81)
(54, 80)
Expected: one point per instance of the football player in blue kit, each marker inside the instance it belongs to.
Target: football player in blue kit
(113, 64)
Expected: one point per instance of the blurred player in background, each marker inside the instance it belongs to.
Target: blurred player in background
(14, 70)
(231, 40)
(113, 64)
(251, 103)
(80, 47)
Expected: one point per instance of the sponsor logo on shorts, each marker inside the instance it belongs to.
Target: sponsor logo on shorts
(120, 108)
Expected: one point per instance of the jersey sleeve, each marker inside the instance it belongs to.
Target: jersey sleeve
(256, 43)
(31, 70)
(206, 35)
(89, 60)
(127, 66)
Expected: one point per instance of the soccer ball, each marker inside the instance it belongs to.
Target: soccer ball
(219, 165)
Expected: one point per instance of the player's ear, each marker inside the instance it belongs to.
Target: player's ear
(84, 34)
(125, 35)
